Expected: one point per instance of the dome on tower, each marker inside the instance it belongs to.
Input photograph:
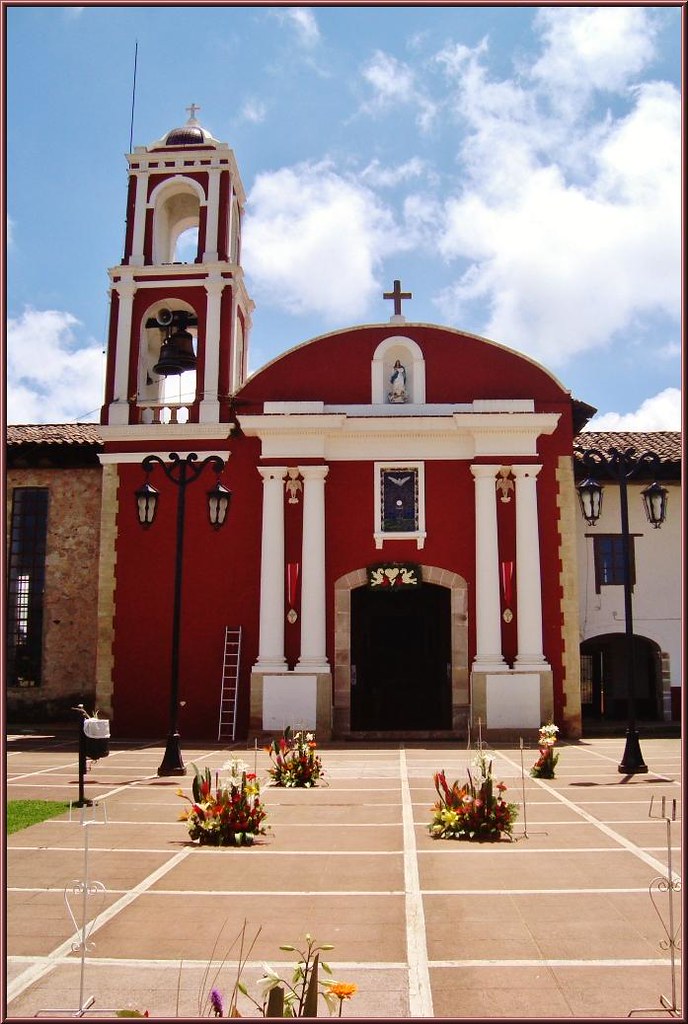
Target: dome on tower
(190, 134)
(187, 135)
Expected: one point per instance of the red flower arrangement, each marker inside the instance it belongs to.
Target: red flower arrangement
(294, 761)
(471, 810)
(232, 815)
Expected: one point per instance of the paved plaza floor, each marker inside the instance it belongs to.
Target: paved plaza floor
(559, 923)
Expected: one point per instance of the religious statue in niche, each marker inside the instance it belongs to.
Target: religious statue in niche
(398, 383)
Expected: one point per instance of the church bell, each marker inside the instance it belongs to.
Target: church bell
(176, 354)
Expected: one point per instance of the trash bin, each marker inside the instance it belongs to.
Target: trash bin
(96, 738)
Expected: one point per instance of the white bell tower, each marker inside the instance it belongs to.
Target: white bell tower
(180, 314)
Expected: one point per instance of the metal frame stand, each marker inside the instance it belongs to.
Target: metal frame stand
(670, 885)
(525, 835)
(82, 888)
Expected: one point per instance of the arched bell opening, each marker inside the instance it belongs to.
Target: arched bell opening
(186, 245)
(177, 211)
(168, 359)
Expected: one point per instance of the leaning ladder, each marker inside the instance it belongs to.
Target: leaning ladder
(230, 676)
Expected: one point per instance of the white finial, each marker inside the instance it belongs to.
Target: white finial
(192, 112)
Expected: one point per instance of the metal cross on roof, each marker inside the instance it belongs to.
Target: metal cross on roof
(397, 295)
(192, 111)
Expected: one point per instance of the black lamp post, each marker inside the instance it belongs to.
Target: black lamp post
(181, 472)
(621, 466)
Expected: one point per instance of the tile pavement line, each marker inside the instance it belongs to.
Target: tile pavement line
(20, 984)
(420, 992)
(145, 965)
(616, 836)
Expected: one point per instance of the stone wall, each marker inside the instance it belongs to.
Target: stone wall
(71, 593)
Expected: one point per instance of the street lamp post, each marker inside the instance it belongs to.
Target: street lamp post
(181, 472)
(621, 466)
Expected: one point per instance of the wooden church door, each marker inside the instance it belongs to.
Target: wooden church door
(401, 659)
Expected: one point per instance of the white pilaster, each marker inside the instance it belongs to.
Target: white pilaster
(118, 412)
(210, 254)
(271, 638)
(528, 581)
(209, 408)
(140, 203)
(488, 653)
(313, 592)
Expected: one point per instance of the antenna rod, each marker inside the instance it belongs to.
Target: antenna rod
(133, 98)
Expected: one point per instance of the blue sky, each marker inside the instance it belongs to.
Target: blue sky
(518, 168)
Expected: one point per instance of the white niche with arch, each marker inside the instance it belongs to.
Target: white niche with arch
(398, 372)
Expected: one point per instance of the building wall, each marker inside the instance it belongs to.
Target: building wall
(71, 592)
(657, 592)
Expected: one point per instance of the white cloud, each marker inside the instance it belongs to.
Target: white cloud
(394, 83)
(570, 229)
(313, 241)
(378, 176)
(303, 21)
(50, 379)
(253, 110)
(661, 412)
(593, 47)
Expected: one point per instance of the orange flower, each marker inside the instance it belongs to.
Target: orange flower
(342, 990)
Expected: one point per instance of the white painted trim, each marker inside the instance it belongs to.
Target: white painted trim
(458, 436)
(117, 458)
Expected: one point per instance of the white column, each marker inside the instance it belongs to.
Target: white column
(271, 638)
(487, 602)
(209, 408)
(313, 594)
(118, 412)
(211, 220)
(140, 204)
(528, 580)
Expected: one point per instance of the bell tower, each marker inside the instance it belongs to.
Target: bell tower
(180, 314)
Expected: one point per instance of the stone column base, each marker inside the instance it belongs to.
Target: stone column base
(297, 699)
(511, 703)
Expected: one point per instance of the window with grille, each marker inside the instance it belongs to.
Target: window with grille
(26, 580)
(609, 568)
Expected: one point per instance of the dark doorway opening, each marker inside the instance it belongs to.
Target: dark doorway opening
(604, 678)
(401, 659)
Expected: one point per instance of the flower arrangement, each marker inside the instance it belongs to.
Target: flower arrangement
(471, 810)
(547, 761)
(294, 760)
(230, 815)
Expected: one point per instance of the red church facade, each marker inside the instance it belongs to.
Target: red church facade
(400, 551)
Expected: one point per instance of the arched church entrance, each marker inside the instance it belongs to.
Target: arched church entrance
(604, 678)
(401, 662)
(401, 659)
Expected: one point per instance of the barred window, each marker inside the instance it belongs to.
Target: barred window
(26, 580)
(609, 569)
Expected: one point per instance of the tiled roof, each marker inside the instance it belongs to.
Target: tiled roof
(53, 433)
(666, 443)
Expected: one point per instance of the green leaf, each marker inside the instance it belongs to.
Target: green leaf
(288, 949)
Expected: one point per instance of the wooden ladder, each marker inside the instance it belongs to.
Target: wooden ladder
(226, 729)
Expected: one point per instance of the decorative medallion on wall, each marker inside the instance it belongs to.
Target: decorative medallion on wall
(507, 589)
(505, 484)
(394, 576)
(293, 486)
(292, 580)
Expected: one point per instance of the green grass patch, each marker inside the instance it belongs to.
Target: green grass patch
(22, 813)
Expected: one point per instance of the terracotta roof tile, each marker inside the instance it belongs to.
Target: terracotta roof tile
(666, 443)
(53, 433)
